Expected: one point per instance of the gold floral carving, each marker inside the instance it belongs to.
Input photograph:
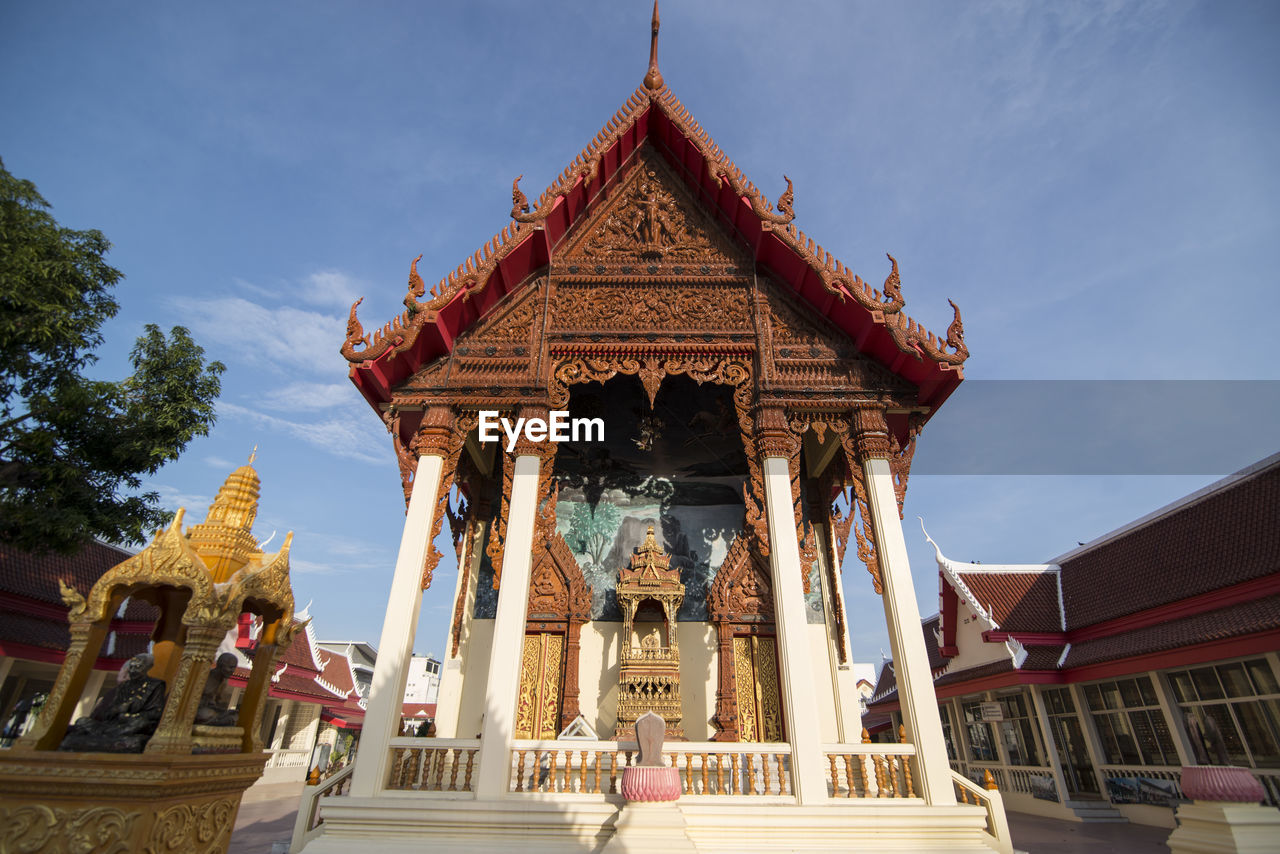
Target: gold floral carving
(464, 569)
(37, 828)
(193, 828)
(450, 442)
(865, 533)
(498, 530)
(900, 457)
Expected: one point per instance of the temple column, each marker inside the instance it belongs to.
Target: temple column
(395, 648)
(497, 729)
(917, 699)
(799, 698)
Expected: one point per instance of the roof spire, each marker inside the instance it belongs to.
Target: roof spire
(653, 80)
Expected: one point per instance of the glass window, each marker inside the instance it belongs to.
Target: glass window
(1235, 681)
(1127, 716)
(1243, 701)
(1017, 731)
(1206, 682)
(944, 712)
(982, 742)
(1264, 681)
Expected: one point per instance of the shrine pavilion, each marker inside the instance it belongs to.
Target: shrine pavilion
(760, 407)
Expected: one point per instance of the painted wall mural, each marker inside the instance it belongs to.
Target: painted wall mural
(678, 466)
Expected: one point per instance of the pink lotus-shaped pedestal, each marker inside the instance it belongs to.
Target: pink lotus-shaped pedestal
(1221, 783)
(650, 784)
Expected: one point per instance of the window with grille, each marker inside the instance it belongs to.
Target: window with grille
(1243, 699)
(1132, 728)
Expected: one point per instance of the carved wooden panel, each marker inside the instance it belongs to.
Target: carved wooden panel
(650, 226)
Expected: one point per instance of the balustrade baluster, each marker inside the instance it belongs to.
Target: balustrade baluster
(706, 782)
(688, 774)
(519, 771)
(848, 773)
(582, 774)
(719, 773)
(471, 758)
(440, 758)
(783, 772)
(881, 791)
(453, 771)
(906, 772)
(552, 781)
(835, 776)
(595, 789)
(735, 781)
(764, 763)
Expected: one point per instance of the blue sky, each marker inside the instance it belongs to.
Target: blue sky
(1095, 184)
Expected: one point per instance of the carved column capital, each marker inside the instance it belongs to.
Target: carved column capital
(774, 437)
(871, 434)
(435, 432)
(524, 447)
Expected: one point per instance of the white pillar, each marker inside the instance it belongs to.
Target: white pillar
(799, 699)
(916, 696)
(89, 698)
(498, 726)
(395, 648)
(1172, 719)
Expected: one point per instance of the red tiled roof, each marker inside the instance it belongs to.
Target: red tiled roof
(37, 576)
(337, 671)
(1243, 619)
(1018, 601)
(414, 710)
(1228, 536)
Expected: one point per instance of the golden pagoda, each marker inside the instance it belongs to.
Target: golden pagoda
(171, 785)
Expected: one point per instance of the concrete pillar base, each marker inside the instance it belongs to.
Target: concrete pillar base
(1222, 827)
(648, 827)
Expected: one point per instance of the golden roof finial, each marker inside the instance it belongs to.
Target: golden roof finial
(253, 455)
(225, 540)
(653, 80)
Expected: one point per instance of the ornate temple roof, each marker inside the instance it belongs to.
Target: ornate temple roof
(653, 116)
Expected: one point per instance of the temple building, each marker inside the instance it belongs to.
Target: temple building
(704, 408)
(1080, 684)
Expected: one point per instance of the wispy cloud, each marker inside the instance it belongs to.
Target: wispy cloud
(354, 438)
(276, 337)
(196, 504)
(307, 396)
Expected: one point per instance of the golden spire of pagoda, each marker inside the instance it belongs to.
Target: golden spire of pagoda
(653, 80)
(225, 540)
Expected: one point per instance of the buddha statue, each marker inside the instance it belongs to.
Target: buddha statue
(125, 718)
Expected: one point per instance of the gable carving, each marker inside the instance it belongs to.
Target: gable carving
(703, 308)
(742, 590)
(557, 588)
(650, 226)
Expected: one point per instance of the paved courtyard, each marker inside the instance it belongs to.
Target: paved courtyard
(267, 814)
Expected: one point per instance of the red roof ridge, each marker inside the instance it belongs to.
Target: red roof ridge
(475, 274)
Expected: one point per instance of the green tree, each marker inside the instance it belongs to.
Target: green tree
(72, 449)
(591, 531)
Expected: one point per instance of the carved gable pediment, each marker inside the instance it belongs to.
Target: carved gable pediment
(650, 226)
(742, 590)
(557, 588)
(499, 350)
(803, 350)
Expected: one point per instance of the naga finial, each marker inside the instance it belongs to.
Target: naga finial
(955, 332)
(786, 200)
(653, 79)
(417, 288)
(519, 201)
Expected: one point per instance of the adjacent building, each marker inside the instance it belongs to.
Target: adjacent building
(1082, 684)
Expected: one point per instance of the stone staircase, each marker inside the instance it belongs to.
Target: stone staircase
(1096, 811)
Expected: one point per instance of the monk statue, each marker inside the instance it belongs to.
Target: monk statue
(215, 702)
(1207, 743)
(124, 720)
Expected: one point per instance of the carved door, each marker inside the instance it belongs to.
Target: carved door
(755, 664)
(541, 684)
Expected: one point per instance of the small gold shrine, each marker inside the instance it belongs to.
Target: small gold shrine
(166, 784)
(649, 675)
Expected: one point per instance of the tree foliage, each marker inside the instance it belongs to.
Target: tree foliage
(72, 448)
(591, 530)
